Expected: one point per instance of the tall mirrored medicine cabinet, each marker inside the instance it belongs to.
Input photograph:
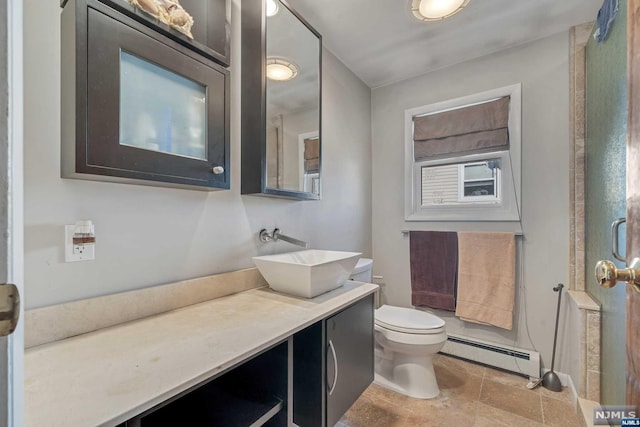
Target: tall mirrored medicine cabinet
(281, 102)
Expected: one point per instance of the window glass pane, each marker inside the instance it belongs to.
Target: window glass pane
(478, 171)
(160, 110)
(463, 183)
(439, 185)
(479, 188)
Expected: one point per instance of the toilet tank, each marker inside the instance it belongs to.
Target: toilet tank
(362, 270)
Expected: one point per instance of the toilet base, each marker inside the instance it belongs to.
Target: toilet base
(408, 375)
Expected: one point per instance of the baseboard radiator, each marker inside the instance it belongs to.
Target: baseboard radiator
(517, 360)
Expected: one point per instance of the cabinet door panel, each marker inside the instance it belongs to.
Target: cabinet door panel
(350, 336)
(108, 41)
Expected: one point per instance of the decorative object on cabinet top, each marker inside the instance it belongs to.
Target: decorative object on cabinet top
(168, 11)
(208, 34)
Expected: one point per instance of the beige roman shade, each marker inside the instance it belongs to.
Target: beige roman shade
(312, 155)
(468, 130)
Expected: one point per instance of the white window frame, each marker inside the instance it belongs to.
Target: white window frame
(490, 198)
(508, 208)
(307, 181)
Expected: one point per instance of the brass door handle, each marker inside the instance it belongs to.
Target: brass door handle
(607, 274)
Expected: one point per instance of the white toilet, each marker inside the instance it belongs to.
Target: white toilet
(406, 341)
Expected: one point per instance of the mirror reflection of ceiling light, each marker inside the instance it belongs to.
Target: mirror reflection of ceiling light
(272, 7)
(280, 69)
(435, 10)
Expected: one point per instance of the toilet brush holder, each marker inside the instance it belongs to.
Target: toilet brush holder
(550, 380)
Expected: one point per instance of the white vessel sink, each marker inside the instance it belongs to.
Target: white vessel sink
(307, 273)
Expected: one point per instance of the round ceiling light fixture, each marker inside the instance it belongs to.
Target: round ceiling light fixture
(272, 7)
(280, 69)
(436, 10)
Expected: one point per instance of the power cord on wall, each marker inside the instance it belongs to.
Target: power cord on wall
(522, 312)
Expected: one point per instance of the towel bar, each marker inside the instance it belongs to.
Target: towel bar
(516, 233)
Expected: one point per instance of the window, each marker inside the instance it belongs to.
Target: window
(474, 182)
(479, 182)
(462, 158)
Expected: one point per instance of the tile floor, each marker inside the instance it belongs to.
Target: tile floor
(470, 395)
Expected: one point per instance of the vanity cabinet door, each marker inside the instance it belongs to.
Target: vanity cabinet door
(349, 339)
(332, 365)
(137, 107)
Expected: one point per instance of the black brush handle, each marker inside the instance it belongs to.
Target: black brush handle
(557, 289)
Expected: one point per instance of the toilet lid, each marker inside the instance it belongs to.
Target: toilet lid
(408, 320)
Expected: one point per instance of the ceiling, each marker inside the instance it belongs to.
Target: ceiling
(382, 42)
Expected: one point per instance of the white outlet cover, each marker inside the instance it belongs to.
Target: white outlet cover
(85, 252)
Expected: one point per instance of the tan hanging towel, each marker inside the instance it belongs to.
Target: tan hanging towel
(486, 278)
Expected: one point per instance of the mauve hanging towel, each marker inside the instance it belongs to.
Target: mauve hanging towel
(434, 263)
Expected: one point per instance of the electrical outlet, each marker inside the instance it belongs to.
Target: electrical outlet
(74, 253)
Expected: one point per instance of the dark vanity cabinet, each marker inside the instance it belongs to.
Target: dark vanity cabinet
(333, 365)
(253, 394)
(140, 103)
(309, 380)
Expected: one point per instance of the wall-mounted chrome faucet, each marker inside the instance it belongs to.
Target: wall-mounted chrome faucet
(276, 235)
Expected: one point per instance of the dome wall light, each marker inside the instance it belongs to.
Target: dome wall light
(436, 10)
(272, 7)
(280, 69)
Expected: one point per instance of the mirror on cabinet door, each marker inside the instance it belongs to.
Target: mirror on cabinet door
(281, 102)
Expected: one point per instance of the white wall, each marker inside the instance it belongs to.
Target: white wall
(543, 69)
(148, 236)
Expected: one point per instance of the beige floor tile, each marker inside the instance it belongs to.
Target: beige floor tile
(374, 413)
(486, 422)
(564, 395)
(459, 365)
(471, 395)
(485, 415)
(518, 401)
(557, 413)
(441, 406)
(443, 413)
(505, 378)
(456, 383)
(376, 392)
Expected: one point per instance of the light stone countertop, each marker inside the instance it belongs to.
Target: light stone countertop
(110, 375)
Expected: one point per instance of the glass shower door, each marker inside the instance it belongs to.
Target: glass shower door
(605, 192)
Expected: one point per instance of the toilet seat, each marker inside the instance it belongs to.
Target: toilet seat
(408, 320)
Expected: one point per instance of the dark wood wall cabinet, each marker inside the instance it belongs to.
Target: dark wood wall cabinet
(140, 104)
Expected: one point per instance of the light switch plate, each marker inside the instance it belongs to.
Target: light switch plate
(74, 253)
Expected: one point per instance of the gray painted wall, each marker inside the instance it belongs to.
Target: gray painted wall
(543, 69)
(148, 236)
